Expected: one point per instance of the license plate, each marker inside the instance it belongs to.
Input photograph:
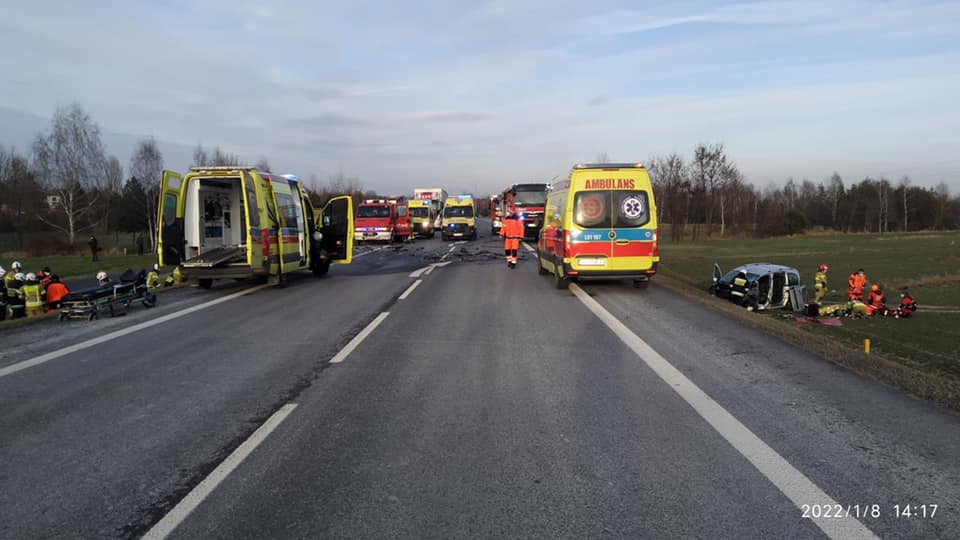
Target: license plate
(369, 234)
(592, 262)
(458, 234)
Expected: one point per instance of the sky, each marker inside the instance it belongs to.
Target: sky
(474, 96)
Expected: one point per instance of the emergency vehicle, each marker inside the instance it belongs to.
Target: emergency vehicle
(403, 230)
(459, 218)
(496, 214)
(436, 196)
(526, 202)
(421, 217)
(376, 220)
(600, 222)
(238, 222)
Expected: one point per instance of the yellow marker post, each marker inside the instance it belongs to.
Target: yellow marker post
(866, 346)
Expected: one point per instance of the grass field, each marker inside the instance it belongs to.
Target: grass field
(929, 263)
(71, 266)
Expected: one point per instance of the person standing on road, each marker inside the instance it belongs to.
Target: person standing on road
(32, 296)
(855, 285)
(512, 233)
(56, 290)
(94, 247)
(820, 284)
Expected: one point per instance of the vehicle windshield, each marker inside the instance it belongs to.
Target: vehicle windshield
(419, 212)
(530, 198)
(373, 212)
(458, 211)
(402, 211)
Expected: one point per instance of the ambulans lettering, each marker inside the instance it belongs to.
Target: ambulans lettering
(610, 183)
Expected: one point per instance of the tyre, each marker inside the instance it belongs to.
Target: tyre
(641, 283)
(150, 300)
(473, 236)
(62, 316)
(320, 268)
(282, 281)
(205, 283)
(540, 269)
(558, 280)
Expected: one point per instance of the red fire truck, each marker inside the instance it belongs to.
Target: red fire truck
(527, 202)
(376, 220)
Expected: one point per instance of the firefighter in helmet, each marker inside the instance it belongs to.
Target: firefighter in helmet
(820, 284)
(512, 233)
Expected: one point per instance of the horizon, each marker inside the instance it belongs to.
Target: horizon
(477, 98)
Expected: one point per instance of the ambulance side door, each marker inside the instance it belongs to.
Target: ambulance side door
(336, 225)
(170, 236)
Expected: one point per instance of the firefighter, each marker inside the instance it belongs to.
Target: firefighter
(32, 296)
(512, 233)
(820, 284)
(15, 269)
(153, 277)
(15, 296)
(56, 290)
(855, 285)
(876, 301)
(46, 276)
(908, 304)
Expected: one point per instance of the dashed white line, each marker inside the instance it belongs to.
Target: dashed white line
(527, 246)
(410, 289)
(175, 517)
(19, 366)
(419, 272)
(790, 481)
(449, 251)
(434, 266)
(345, 352)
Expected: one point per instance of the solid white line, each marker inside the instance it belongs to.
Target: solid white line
(19, 366)
(369, 252)
(527, 246)
(165, 526)
(790, 481)
(345, 352)
(410, 289)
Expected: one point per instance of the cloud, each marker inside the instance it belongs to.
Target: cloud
(328, 119)
(453, 117)
(598, 100)
(322, 94)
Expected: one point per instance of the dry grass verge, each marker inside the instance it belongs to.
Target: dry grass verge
(936, 386)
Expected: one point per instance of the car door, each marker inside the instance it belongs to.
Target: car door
(337, 229)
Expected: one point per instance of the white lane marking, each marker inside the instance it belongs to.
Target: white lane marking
(410, 289)
(436, 265)
(19, 366)
(419, 272)
(345, 352)
(449, 251)
(527, 246)
(369, 252)
(790, 481)
(460, 243)
(175, 517)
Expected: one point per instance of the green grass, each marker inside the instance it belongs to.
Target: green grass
(72, 266)
(929, 263)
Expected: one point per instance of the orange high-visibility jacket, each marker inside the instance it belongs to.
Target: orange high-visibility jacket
(512, 233)
(856, 283)
(56, 291)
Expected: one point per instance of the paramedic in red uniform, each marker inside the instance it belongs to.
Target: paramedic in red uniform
(512, 233)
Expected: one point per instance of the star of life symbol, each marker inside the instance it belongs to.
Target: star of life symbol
(632, 207)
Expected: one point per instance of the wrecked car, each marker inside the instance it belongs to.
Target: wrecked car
(756, 286)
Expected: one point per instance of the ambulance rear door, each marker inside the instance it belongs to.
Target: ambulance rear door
(336, 225)
(170, 240)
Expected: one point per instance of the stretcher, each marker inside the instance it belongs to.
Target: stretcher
(112, 298)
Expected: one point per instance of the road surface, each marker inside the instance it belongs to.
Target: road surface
(429, 391)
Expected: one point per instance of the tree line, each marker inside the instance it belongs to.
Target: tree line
(67, 186)
(707, 195)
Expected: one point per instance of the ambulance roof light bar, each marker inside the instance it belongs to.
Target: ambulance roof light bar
(608, 166)
(203, 168)
(375, 201)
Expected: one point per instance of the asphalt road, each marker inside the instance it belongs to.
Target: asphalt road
(485, 403)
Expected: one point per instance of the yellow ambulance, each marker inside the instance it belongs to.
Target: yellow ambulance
(238, 222)
(421, 217)
(600, 222)
(459, 218)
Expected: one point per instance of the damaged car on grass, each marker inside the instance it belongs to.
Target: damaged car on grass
(757, 286)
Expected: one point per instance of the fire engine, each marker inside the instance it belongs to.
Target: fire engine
(526, 201)
(376, 220)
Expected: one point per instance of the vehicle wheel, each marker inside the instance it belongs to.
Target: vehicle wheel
(641, 283)
(392, 238)
(558, 280)
(281, 281)
(540, 269)
(149, 300)
(205, 283)
(92, 316)
(62, 316)
(473, 236)
(320, 268)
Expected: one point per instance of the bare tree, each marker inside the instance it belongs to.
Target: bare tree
(708, 162)
(146, 165)
(836, 193)
(670, 180)
(221, 158)
(263, 165)
(905, 185)
(730, 180)
(602, 157)
(113, 176)
(70, 162)
(200, 157)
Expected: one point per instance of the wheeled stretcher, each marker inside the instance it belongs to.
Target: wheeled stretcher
(112, 298)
